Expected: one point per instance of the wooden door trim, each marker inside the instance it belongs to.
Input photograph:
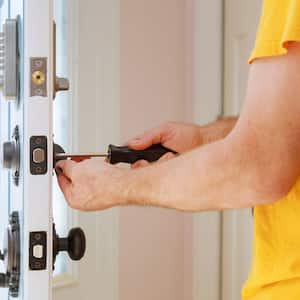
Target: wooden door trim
(207, 105)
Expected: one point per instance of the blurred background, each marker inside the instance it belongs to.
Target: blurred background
(134, 64)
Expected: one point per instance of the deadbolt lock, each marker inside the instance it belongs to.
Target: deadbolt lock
(38, 69)
(11, 155)
(60, 84)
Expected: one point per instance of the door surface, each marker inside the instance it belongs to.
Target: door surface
(241, 20)
(29, 86)
(26, 151)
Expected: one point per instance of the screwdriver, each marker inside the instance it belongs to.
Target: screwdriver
(117, 154)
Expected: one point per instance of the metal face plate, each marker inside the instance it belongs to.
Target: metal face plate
(38, 74)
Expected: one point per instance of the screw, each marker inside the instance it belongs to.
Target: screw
(38, 169)
(38, 141)
(39, 92)
(38, 63)
(38, 236)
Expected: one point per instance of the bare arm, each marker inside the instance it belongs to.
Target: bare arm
(218, 129)
(257, 163)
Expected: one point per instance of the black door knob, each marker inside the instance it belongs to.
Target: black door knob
(57, 149)
(74, 244)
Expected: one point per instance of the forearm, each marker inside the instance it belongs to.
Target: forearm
(208, 178)
(217, 130)
(256, 163)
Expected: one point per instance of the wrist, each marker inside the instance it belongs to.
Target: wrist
(116, 183)
(142, 187)
(122, 188)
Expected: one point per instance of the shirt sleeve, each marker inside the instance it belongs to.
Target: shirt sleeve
(279, 25)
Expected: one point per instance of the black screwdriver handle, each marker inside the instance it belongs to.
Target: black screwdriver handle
(126, 155)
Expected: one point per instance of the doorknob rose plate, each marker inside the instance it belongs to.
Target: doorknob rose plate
(11, 155)
(11, 256)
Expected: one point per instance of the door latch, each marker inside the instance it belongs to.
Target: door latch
(60, 84)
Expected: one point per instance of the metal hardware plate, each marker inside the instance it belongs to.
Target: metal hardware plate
(38, 74)
(11, 256)
(11, 155)
(38, 155)
(9, 59)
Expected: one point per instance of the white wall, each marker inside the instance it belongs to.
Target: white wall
(155, 245)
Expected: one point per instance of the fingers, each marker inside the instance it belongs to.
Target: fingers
(65, 185)
(65, 167)
(63, 182)
(167, 156)
(139, 164)
(147, 139)
(144, 163)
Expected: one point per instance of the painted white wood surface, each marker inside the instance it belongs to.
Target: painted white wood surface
(37, 191)
(207, 106)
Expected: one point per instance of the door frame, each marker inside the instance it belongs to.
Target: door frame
(207, 74)
(106, 225)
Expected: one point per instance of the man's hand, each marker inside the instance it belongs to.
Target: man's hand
(95, 185)
(179, 137)
(91, 184)
(182, 137)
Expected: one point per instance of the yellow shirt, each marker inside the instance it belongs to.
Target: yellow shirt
(275, 272)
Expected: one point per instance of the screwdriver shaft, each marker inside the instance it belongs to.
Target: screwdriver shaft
(78, 155)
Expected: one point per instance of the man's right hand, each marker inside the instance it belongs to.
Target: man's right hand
(179, 137)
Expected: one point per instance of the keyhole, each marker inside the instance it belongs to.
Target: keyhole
(38, 77)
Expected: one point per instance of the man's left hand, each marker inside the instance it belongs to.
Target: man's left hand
(91, 184)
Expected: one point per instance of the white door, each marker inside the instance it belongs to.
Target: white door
(241, 20)
(29, 85)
